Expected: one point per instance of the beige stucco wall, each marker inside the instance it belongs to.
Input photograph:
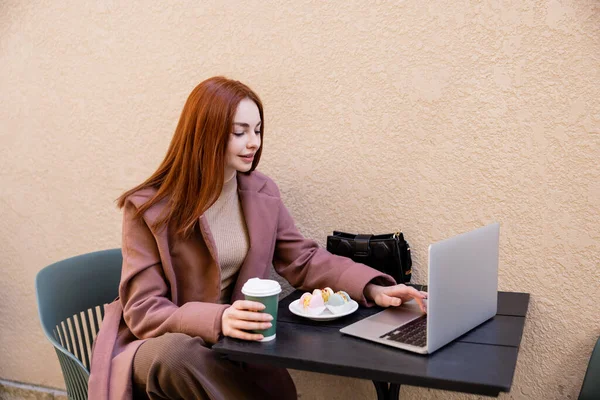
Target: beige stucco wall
(430, 117)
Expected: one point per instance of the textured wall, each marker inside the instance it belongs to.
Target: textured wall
(432, 117)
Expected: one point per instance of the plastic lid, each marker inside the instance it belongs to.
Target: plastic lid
(261, 287)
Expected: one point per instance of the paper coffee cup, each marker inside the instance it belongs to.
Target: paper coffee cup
(265, 291)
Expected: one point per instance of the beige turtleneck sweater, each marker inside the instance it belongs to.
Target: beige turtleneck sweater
(228, 228)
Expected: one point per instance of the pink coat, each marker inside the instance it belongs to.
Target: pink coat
(173, 285)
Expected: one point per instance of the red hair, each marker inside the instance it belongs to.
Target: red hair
(192, 172)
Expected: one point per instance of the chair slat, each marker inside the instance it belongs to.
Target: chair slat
(94, 320)
(91, 325)
(99, 317)
(79, 328)
(87, 336)
(74, 344)
(66, 337)
(56, 334)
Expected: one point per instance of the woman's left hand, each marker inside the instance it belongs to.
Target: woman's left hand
(386, 296)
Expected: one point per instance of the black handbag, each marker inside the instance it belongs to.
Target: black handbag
(389, 253)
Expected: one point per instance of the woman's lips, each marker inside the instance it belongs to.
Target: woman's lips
(247, 159)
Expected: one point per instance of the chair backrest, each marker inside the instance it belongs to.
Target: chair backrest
(71, 295)
(590, 388)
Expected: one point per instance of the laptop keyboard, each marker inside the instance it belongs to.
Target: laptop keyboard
(413, 333)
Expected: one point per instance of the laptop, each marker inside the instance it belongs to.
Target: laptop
(462, 289)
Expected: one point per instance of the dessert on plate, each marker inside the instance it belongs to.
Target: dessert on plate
(319, 300)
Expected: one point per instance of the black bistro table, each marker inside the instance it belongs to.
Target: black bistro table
(482, 361)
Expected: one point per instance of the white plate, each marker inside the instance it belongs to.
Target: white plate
(326, 315)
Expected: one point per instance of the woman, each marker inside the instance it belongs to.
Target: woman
(193, 233)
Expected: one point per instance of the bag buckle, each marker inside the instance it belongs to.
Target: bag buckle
(362, 245)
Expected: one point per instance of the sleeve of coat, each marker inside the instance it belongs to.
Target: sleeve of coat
(144, 290)
(307, 266)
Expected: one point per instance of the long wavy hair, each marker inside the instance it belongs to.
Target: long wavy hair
(192, 172)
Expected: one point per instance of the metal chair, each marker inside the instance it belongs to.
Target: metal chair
(70, 297)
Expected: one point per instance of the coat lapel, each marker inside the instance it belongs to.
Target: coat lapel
(208, 239)
(260, 213)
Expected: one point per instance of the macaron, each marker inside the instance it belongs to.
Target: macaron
(344, 295)
(316, 301)
(325, 293)
(335, 300)
(305, 299)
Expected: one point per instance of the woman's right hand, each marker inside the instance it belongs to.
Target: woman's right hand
(242, 316)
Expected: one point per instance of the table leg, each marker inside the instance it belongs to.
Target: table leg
(382, 390)
(387, 391)
(394, 392)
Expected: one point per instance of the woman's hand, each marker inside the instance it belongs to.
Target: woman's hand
(243, 316)
(386, 296)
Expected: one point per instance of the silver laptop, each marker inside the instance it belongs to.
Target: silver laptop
(462, 288)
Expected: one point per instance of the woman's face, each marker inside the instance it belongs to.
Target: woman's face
(244, 139)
